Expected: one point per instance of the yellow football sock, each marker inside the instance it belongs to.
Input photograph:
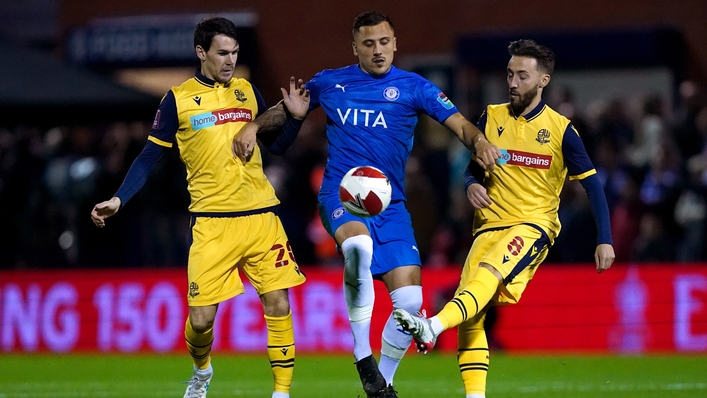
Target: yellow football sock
(471, 300)
(473, 354)
(199, 345)
(281, 350)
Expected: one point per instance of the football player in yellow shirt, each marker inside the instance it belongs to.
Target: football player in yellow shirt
(516, 204)
(234, 223)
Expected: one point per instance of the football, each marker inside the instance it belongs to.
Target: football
(365, 191)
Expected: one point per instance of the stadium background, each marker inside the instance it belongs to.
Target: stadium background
(80, 83)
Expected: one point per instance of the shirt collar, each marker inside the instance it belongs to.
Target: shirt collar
(206, 81)
(532, 114)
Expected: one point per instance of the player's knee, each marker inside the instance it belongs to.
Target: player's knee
(408, 298)
(358, 251)
(276, 303)
(201, 324)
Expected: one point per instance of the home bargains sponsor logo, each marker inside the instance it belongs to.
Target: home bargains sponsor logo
(222, 116)
(518, 158)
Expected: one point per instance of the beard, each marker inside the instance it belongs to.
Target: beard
(519, 103)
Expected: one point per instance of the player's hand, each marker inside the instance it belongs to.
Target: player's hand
(476, 193)
(104, 210)
(244, 142)
(297, 100)
(486, 154)
(603, 257)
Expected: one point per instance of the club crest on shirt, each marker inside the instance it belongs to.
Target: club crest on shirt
(391, 93)
(543, 136)
(338, 212)
(193, 289)
(156, 122)
(240, 96)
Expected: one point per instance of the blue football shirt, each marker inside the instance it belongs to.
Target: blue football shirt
(371, 120)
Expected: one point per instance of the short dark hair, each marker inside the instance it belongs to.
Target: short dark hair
(209, 27)
(529, 48)
(370, 18)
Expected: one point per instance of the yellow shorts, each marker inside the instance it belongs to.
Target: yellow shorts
(257, 244)
(516, 252)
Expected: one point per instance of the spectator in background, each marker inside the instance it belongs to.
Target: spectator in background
(626, 217)
(663, 184)
(649, 135)
(689, 138)
(654, 243)
(691, 207)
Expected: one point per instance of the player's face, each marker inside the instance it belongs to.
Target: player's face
(375, 47)
(219, 62)
(525, 83)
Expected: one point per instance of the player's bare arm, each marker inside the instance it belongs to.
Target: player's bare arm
(476, 193)
(297, 103)
(103, 210)
(474, 140)
(604, 256)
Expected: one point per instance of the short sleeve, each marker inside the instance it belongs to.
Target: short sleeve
(432, 101)
(579, 166)
(166, 122)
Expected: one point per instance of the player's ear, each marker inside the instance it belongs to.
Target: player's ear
(545, 80)
(395, 44)
(200, 53)
(353, 46)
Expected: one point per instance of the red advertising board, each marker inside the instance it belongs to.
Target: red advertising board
(658, 307)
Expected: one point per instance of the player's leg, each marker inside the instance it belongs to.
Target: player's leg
(403, 283)
(473, 355)
(199, 334)
(281, 340)
(199, 337)
(396, 261)
(209, 283)
(271, 268)
(512, 251)
(353, 238)
(357, 248)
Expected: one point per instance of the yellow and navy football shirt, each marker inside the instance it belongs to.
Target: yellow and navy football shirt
(538, 150)
(202, 116)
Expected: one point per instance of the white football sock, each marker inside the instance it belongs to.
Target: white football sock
(396, 342)
(358, 290)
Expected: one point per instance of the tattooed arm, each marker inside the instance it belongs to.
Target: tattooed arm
(286, 116)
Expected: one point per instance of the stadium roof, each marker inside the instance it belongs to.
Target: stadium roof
(40, 89)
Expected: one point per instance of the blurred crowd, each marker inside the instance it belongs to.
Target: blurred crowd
(650, 156)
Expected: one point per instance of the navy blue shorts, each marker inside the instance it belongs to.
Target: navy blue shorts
(394, 243)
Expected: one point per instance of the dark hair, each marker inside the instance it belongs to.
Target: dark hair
(210, 27)
(529, 48)
(370, 18)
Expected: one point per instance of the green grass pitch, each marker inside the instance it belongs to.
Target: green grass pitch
(434, 376)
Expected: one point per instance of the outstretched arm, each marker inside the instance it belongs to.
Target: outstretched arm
(294, 105)
(474, 140)
(140, 170)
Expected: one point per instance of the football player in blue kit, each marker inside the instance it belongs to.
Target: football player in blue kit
(372, 108)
